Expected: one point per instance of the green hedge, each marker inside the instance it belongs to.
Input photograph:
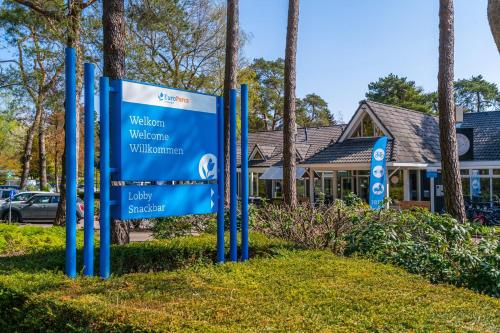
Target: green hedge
(295, 291)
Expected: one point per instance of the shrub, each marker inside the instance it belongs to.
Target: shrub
(170, 227)
(316, 228)
(432, 245)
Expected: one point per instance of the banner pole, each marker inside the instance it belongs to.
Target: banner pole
(104, 248)
(88, 224)
(70, 144)
(220, 180)
(244, 172)
(233, 228)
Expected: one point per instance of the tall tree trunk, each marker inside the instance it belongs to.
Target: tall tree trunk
(113, 22)
(230, 81)
(73, 40)
(289, 129)
(28, 148)
(494, 19)
(447, 133)
(42, 158)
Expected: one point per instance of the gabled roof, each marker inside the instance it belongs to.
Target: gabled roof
(413, 137)
(308, 142)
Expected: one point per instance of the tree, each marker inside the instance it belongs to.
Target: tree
(452, 183)
(289, 125)
(113, 23)
(494, 19)
(178, 43)
(399, 91)
(271, 78)
(36, 72)
(476, 94)
(312, 111)
(230, 80)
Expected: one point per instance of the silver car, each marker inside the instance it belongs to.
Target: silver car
(39, 208)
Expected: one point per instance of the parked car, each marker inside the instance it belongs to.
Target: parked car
(40, 207)
(22, 196)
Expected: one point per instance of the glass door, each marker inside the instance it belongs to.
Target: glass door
(346, 186)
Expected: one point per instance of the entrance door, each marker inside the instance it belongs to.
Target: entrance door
(346, 186)
(363, 187)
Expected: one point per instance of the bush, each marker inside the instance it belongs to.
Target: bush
(316, 228)
(432, 245)
(170, 227)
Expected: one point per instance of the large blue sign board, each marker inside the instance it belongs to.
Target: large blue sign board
(378, 173)
(160, 133)
(135, 201)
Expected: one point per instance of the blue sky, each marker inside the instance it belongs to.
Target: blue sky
(345, 44)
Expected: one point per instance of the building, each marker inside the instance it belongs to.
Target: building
(335, 160)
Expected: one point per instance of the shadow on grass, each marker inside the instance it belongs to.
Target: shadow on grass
(143, 257)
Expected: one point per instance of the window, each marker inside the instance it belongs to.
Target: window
(466, 188)
(396, 186)
(496, 192)
(55, 199)
(23, 197)
(257, 156)
(367, 128)
(41, 200)
(496, 172)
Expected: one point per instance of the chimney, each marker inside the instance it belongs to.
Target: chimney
(459, 114)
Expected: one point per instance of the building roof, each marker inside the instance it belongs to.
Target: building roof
(413, 138)
(486, 127)
(308, 142)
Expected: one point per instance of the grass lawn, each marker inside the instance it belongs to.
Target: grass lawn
(282, 289)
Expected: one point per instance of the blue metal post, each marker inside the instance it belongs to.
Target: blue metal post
(104, 250)
(88, 226)
(244, 172)
(220, 180)
(70, 147)
(233, 228)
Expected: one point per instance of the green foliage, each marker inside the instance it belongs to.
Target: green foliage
(432, 245)
(435, 246)
(399, 91)
(476, 94)
(312, 110)
(295, 291)
(16, 239)
(170, 227)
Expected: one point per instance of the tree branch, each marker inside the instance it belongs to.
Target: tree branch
(37, 8)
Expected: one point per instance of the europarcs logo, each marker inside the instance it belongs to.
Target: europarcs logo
(207, 167)
(171, 99)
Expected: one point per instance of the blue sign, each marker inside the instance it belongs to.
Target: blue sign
(475, 183)
(134, 201)
(431, 174)
(378, 173)
(12, 193)
(158, 133)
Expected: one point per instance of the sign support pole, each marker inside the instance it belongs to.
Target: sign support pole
(233, 228)
(104, 250)
(70, 141)
(244, 172)
(220, 180)
(88, 226)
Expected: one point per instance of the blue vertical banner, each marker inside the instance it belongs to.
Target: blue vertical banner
(475, 182)
(233, 183)
(378, 173)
